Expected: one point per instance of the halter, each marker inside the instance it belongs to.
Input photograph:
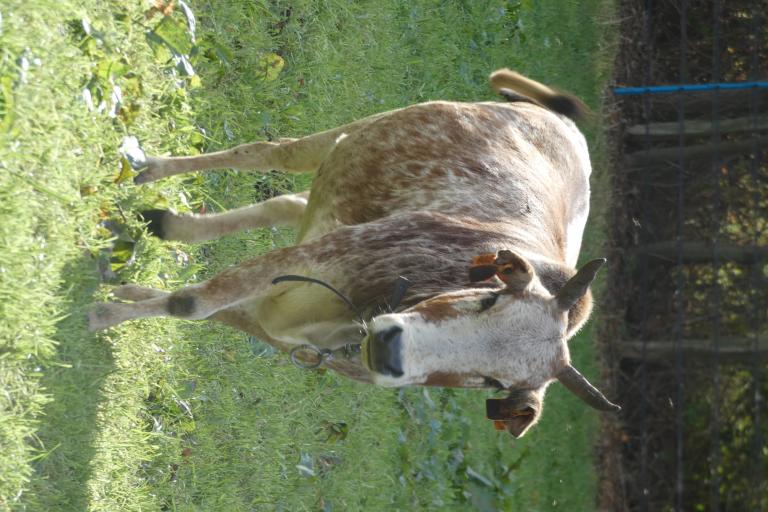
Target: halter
(349, 350)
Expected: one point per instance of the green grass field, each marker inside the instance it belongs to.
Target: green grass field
(168, 415)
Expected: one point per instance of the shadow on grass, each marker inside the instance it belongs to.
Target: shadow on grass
(74, 385)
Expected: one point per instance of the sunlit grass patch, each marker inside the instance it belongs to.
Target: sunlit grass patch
(161, 414)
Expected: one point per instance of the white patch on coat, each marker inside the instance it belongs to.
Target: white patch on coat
(517, 342)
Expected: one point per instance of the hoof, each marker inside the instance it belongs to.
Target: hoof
(154, 219)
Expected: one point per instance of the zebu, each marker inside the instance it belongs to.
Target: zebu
(480, 206)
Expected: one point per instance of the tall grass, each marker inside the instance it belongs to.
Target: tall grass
(162, 414)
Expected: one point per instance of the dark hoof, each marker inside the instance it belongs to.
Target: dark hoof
(154, 219)
(140, 178)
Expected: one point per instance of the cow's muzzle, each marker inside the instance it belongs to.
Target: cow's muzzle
(383, 352)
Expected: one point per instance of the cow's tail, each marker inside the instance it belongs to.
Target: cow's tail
(515, 87)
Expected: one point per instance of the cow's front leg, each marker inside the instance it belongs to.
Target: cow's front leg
(135, 292)
(244, 282)
(110, 314)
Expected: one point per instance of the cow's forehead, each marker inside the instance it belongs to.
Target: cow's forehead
(513, 315)
(469, 304)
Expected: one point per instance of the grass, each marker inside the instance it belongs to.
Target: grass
(168, 415)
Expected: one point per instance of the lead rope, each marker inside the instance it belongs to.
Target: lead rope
(324, 355)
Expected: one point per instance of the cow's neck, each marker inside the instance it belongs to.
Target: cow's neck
(433, 251)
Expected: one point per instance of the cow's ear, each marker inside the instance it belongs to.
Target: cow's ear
(516, 413)
(516, 272)
(518, 425)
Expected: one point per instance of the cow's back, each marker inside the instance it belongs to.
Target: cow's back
(512, 164)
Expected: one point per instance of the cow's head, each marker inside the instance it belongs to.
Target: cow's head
(513, 337)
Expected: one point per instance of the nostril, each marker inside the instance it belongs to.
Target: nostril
(391, 334)
(385, 352)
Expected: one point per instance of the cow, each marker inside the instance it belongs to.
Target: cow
(436, 247)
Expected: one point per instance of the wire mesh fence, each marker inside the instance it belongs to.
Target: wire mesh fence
(688, 292)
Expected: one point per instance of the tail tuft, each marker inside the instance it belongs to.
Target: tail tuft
(505, 80)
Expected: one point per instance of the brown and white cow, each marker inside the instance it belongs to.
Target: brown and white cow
(480, 206)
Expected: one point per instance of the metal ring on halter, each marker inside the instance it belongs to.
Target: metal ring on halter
(322, 356)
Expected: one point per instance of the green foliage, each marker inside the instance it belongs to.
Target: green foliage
(182, 416)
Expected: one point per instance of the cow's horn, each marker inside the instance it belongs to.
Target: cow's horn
(580, 386)
(577, 286)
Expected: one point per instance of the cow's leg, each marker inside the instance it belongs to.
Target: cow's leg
(231, 287)
(289, 155)
(286, 210)
(135, 292)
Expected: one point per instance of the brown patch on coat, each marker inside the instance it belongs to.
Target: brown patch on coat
(437, 309)
(446, 380)
(441, 146)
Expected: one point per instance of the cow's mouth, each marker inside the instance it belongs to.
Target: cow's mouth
(382, 351)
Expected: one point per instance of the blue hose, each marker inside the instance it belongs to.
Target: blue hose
(663, 89)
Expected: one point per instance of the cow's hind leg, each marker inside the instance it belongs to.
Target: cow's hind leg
(286, 210)
(289, 155)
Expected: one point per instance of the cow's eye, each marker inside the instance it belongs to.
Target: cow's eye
(488, 302)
